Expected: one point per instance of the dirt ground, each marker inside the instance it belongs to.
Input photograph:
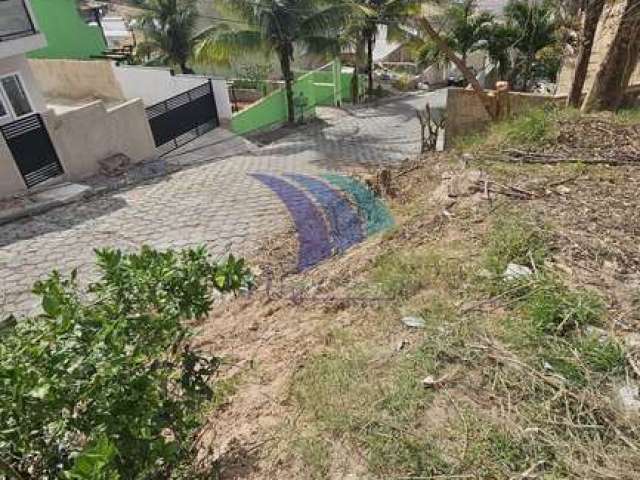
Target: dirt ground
(445, 201)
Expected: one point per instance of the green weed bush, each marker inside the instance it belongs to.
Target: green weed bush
(105, 386)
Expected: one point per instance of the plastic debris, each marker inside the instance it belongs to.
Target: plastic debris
(414, 322)
(516, 272)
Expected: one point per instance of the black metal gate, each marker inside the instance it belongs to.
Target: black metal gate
(182, 118)
(32, 150)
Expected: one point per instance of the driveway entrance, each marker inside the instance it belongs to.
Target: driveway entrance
(180, 119)
(218, 197)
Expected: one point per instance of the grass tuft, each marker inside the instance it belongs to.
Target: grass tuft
(349, 392)
(515, 240)
(314, 451)
(400, 275)
(555, 309)
(628, 116)
(532, 128)
(603, 356)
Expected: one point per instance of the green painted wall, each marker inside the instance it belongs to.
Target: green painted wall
(68, 36)
(272, 109)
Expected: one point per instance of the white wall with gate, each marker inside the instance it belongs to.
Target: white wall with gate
(154, 85)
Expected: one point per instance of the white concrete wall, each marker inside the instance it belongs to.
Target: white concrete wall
(20, 64)
(77, 79)
(86, 135)
(11, 181)
(153, 85)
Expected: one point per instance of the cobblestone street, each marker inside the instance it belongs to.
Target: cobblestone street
(211, 199)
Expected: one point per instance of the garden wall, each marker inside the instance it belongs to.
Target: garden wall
(466, 113)
(317, 88)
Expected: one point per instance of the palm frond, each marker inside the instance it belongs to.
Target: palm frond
(220, 47)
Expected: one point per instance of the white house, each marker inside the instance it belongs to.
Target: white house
(59, 119)
(18, 35)
(19, 94)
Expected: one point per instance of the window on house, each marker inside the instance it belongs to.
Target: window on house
(15, 93)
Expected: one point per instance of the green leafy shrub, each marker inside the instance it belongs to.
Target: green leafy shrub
(106, 386)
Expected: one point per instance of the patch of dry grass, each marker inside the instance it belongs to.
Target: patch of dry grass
(521, 384)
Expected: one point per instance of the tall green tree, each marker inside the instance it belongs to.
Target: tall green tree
(169, 31)
(534, 22)
(424, 25)
(279, 27)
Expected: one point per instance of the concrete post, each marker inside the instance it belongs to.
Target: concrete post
(337, 82)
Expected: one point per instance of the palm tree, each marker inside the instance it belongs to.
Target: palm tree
(278, 26)
(469, 29)
(424, 25)
(500, 40)
(393, 14)
(443, 46)
(353, 41)
(463, 28)
(169, 31)
(535, 23)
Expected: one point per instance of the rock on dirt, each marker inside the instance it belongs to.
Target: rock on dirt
(628, 398)
(456, 185)
(114, 165)
(516, 272)
(414, 322)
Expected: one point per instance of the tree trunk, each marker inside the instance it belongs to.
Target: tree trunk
(527, 71)
(370, 43)
(287, 74)
(185, 69)
(592, 11)
(613, 75)
(355, 84)
(468, 74)
(358, 61)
